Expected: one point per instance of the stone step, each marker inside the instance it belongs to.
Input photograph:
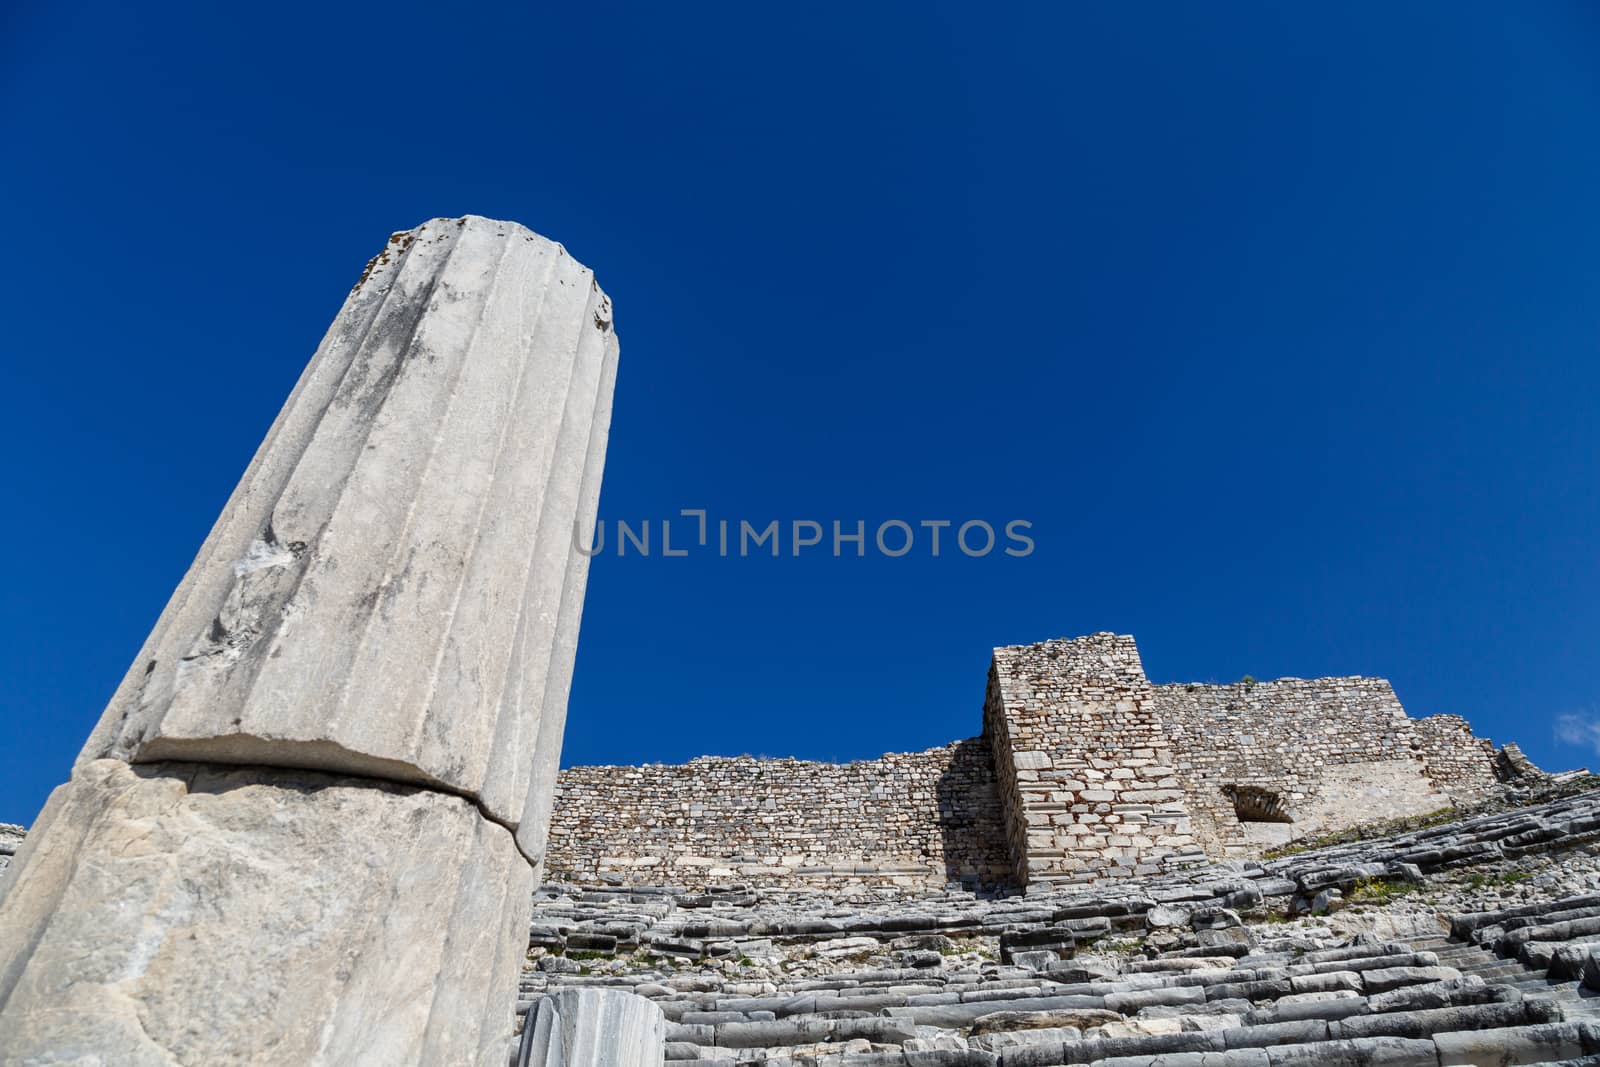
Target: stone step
(1461, 952)
(1531, 1043)
(812, 1030)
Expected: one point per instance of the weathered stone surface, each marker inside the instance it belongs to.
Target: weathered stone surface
(172, 913)
(542, 1044)
(393, 589)
(1300, 990)
(393, 592)
(1524, 1044)
(1072, 1018)
(10, 840)
(1000, 1040)
(593, 1028)
(1166, 915)
(1085, 771)
(913, 819)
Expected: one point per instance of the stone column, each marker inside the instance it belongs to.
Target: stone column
(307, 826)
(593, 1028)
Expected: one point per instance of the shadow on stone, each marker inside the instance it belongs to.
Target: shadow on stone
(971, 827)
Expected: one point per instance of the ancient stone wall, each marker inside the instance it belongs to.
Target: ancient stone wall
(1089, 785)
(1007, 784)
(907, 819)
(1267, 761)
(1462, 766)
(1085, 771)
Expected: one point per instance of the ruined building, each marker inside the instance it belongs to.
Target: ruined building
(1085, 770)
(310, 827)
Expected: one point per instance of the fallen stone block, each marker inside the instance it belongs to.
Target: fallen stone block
(1037, 960)
(1059, 940)
(1163, 916)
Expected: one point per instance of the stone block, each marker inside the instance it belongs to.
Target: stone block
(1165, 915)
(1381, 980)
(1427, 1022)
(1036, 960)
(1151, 796)
(1361, 1052)
(1334, 1004)
(609, 1028)
(173, 913)
(1517, 1044)
(1001, 1040)
(541, 1044)
(1303, 1032)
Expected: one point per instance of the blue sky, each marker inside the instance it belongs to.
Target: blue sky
(1278, 322)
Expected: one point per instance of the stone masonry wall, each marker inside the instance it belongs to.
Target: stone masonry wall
(1103, 774)
(1085, 771)
(1461, 765)
(1086, 766)
(919, 819)
(1013, 817)
(1324, 753)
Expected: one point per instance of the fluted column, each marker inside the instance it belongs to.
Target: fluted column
(306, 827)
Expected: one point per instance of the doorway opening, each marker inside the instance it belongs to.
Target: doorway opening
(1263, 817)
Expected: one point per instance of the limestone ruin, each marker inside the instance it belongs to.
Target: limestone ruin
(1471, 941)
(1084, 771)
(1264, 874)
(311, 825)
